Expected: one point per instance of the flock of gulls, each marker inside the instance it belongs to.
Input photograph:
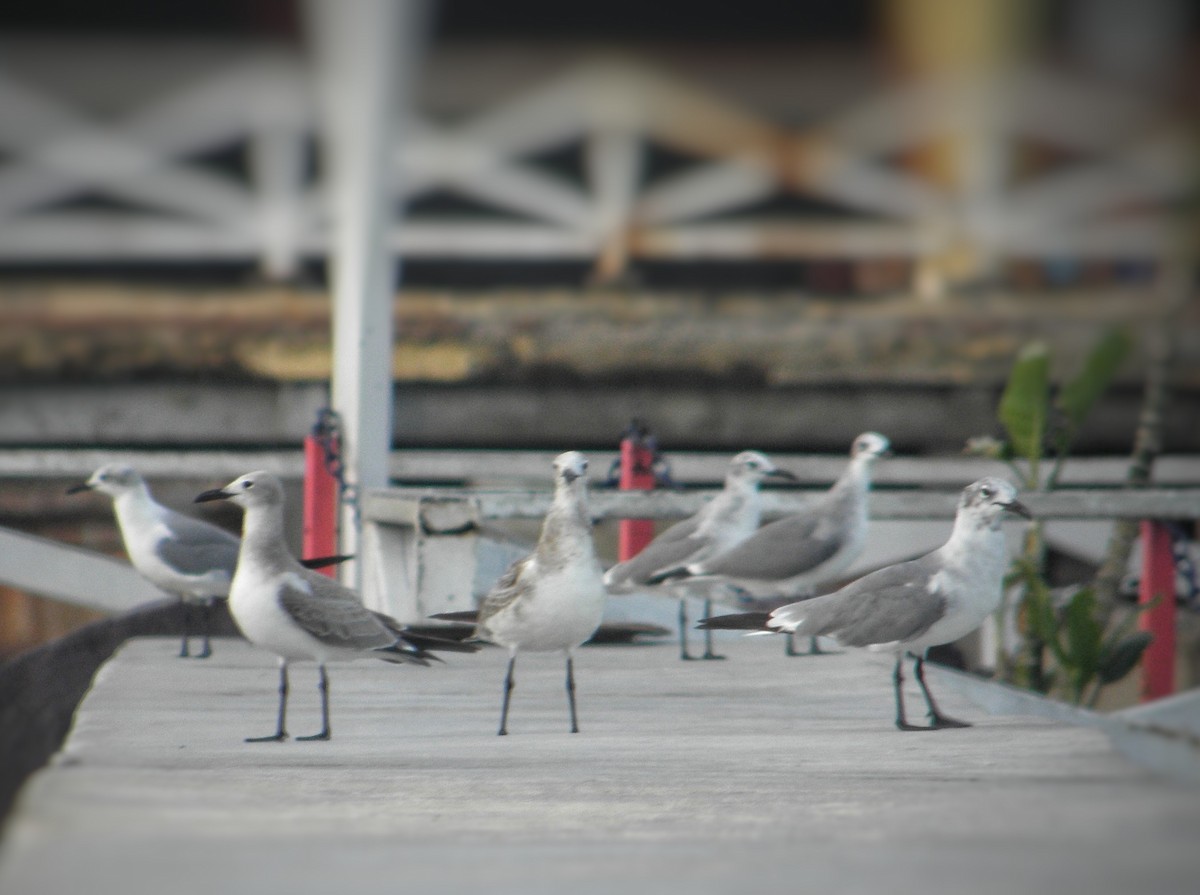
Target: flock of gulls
(553, 599)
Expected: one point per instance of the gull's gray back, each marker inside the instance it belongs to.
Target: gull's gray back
(196, 547)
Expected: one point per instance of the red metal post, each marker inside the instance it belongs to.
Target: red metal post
(637, 472)
(320, 503)
(1157, 586)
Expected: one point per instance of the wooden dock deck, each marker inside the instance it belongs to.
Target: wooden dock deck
(756, 774)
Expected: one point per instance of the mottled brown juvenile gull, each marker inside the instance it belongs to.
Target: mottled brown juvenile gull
(911, 606)
(552, 599)
(727, 520)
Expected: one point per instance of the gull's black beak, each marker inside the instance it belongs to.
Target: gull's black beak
(214, 494)
(82, 486)
(783, 474)
(1019, 508)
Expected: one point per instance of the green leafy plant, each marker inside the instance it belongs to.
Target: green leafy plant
(1041, 424)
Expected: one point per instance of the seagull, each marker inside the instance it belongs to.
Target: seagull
(792, 556)
(730, 518)
(553, 598)
(298, 614)
(911, 606)
(188, 557)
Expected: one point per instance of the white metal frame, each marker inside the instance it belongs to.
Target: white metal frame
(613, 109)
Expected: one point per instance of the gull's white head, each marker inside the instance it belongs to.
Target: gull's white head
(753, 467)
(870, 446)
(113, 479)
(254, 489)
(570, 466)
(988, 499)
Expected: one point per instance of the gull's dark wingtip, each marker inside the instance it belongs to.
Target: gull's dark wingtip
(737, 621)
(672, 574)
(463, 615)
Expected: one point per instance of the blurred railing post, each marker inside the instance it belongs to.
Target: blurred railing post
(1156, 594)
(320, 495)
(637, 472)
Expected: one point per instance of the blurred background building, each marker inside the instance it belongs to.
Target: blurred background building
(752, 225)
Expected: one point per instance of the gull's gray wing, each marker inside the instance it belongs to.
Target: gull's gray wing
(890, 605)
(196, 547)
(661, 553)
(684, 528)
(334, 622)
(780, 549)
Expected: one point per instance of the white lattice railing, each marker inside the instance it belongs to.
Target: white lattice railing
(206, 152)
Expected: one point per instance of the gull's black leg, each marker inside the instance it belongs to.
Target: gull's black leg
(571, 692)
(186, 612)
(814, 646)
(508, 688)
(280, 731)
(898, 682)
(936, 719)
(789, 644)
(708, 635)
(683, 650)
(205, 626)
(323, 686)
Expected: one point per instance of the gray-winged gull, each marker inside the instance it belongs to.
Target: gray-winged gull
(187, 557)
(792, 556)
(298, 614)
(727, 520)
(911, 606)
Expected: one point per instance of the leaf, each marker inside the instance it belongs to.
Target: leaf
(1078, 396)
(1024, 405)
(1084, 636)
(1120, 658)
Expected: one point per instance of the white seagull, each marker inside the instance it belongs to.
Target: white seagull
(187, 557)
(911, 606)
(552, 599)
(297, 614)
(792, 556)
(727, 520)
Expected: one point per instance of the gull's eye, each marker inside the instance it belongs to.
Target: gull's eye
(248, 486)
(985, 491)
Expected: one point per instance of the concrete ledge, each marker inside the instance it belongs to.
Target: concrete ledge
(1161, 736)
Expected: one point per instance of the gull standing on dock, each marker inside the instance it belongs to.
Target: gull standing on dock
(792, 556)
(187, 557)
(727, 520)
(911, 606)
(298, 614)
(552, 599)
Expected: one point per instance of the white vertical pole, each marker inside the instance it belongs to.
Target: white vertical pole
(363, 50)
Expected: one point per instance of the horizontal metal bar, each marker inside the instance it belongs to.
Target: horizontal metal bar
(71, 574)
(533, 467)
(401, 505)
